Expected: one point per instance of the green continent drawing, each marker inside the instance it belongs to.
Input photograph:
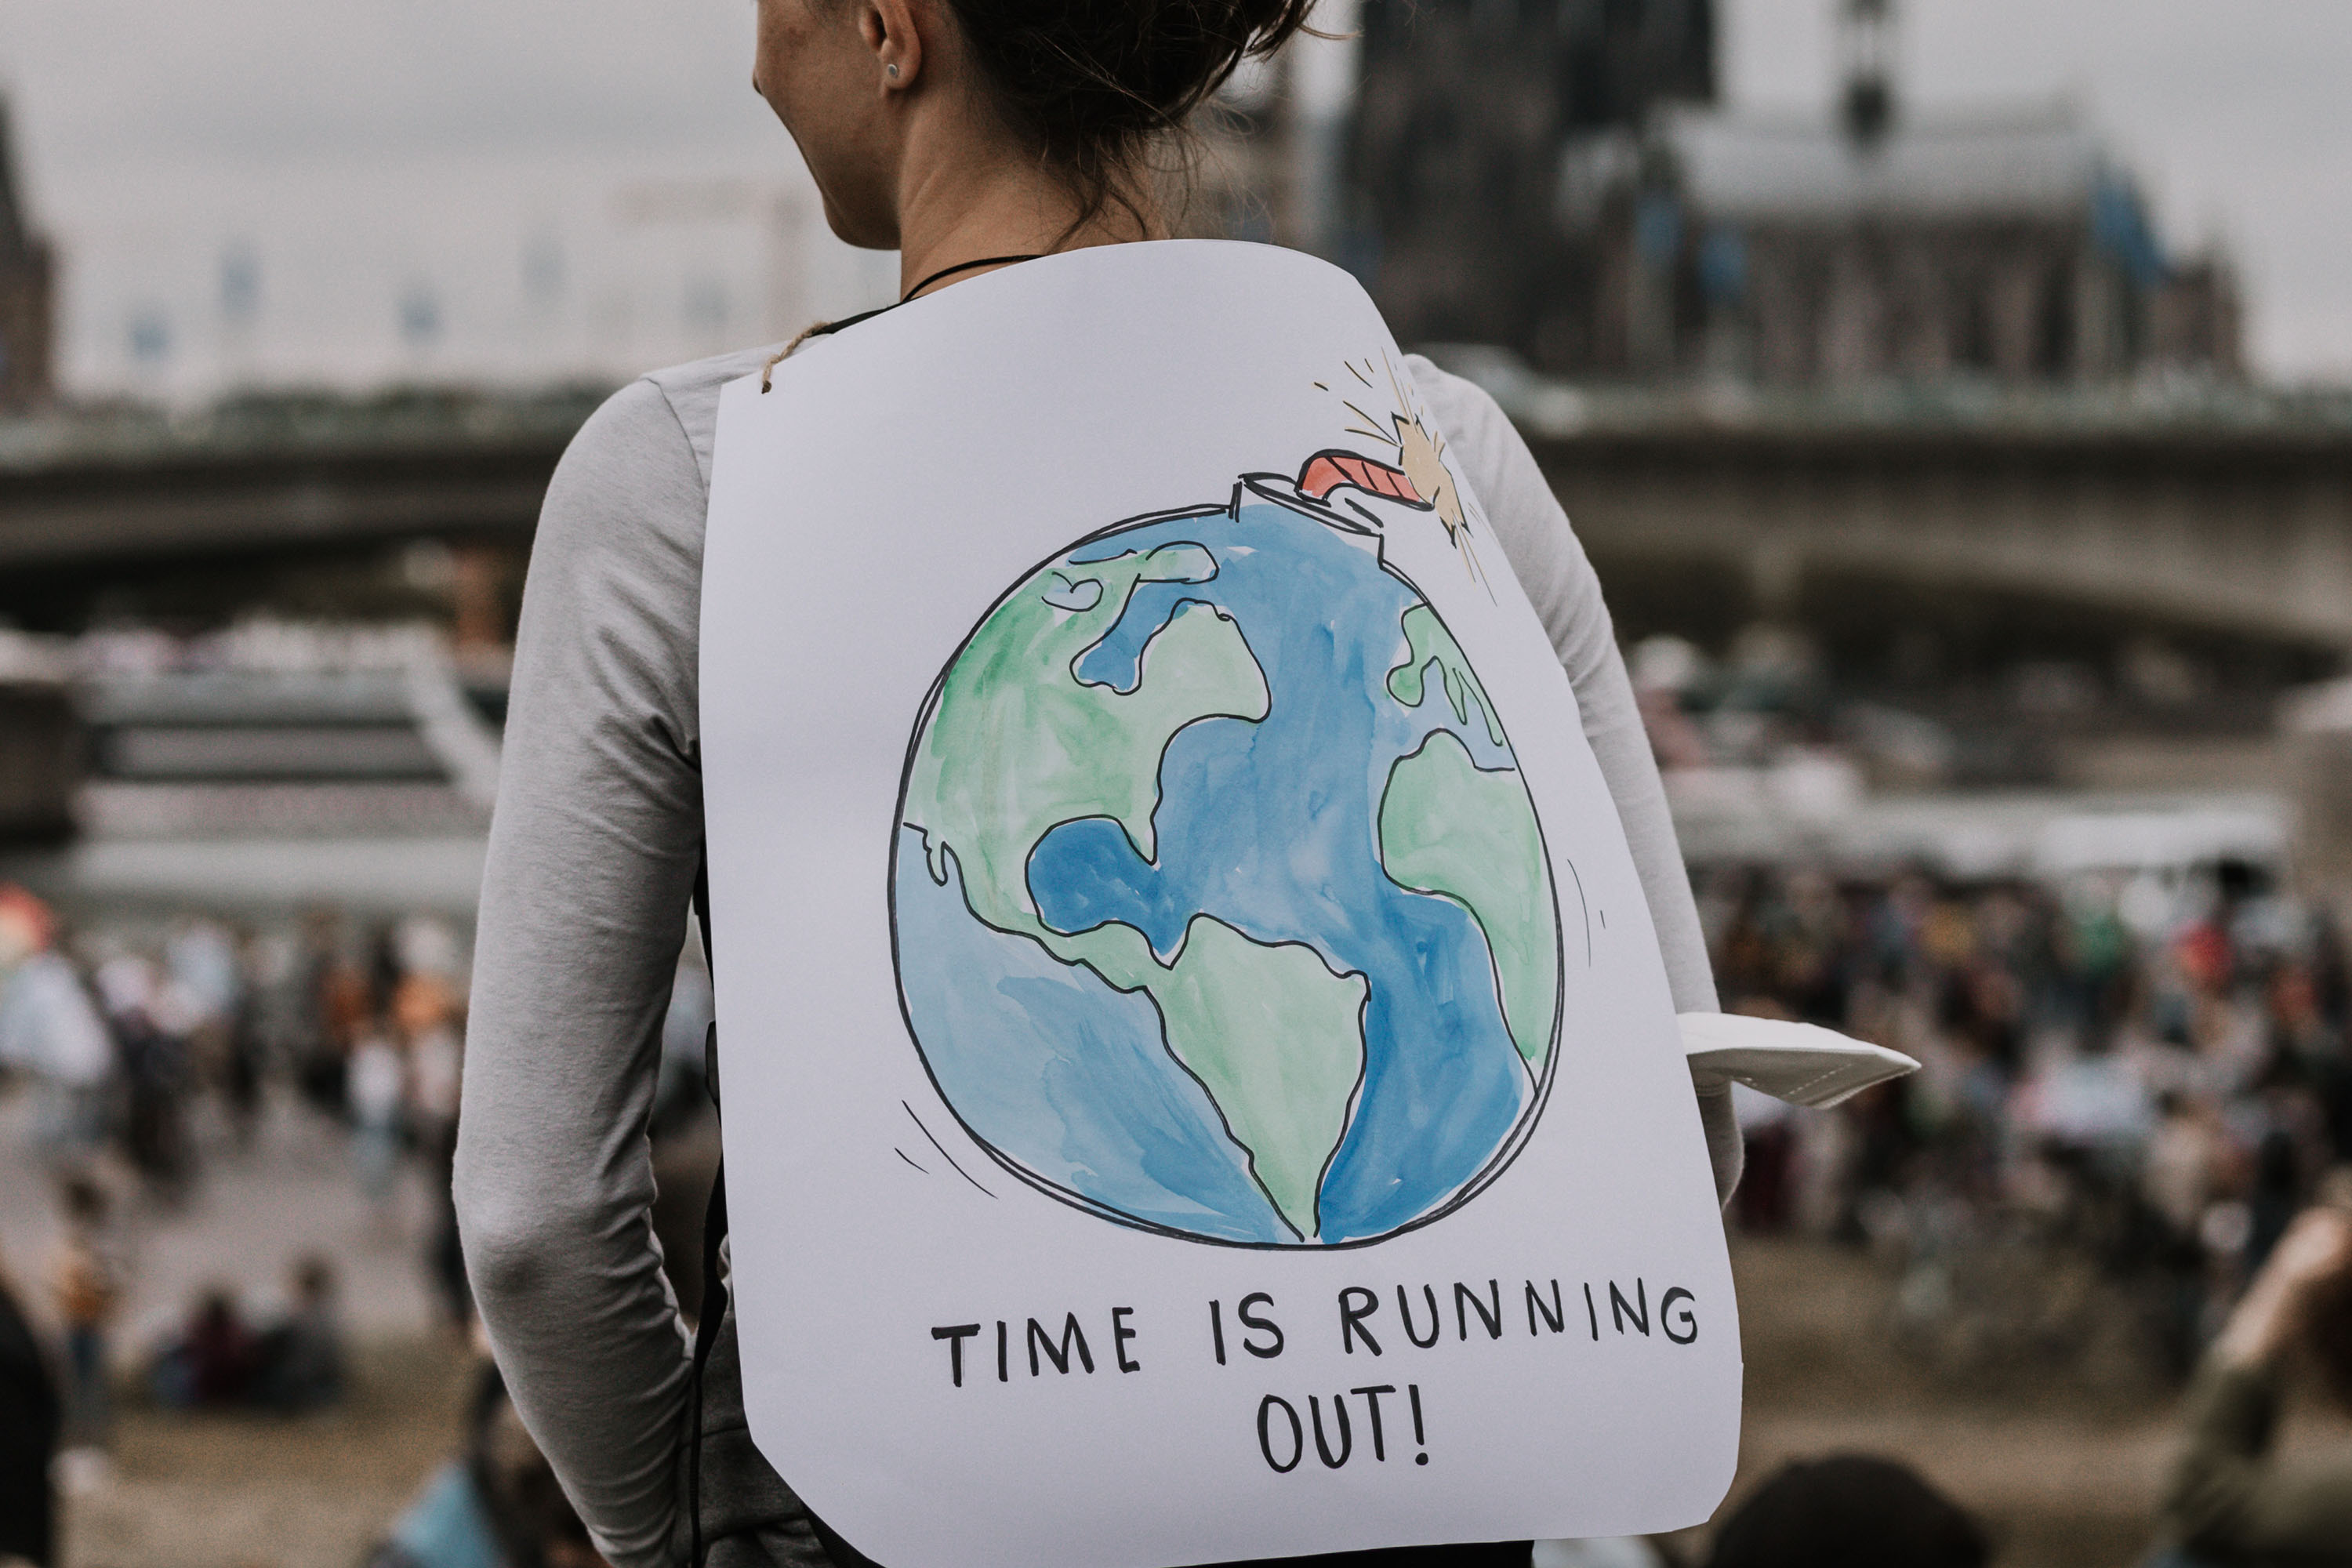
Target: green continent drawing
(1448, 828)
(1231, 998)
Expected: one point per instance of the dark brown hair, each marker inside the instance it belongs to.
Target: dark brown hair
(1849, 1510)
(1093, 84)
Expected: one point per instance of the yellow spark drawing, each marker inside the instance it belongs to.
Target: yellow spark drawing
(1422, 455)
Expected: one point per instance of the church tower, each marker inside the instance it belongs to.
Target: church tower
(26, 292)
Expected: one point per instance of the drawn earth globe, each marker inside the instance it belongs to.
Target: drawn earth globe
(1220, 905)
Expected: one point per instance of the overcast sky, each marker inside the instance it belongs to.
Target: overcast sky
(466, 153)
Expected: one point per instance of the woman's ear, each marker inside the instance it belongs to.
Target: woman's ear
(894, 31)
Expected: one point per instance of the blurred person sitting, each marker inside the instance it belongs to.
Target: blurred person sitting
(31, 1417)
(1850, 1510)
(2232, 1499)
(211, 1363)
(85, 1287)
(298, 1361)
(495, 1506)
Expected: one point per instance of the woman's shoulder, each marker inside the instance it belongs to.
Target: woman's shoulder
(627, 505)
(692, 392)
(665, 416)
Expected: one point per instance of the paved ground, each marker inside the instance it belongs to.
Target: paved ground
(250, 1213)
(233, 1491)
(237, 1492)
(2066, 1478)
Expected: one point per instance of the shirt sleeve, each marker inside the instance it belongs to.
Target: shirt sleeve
(592, 854)
(2230, 1496)
(1559, 580)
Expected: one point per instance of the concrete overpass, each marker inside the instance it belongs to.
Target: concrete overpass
(98, 496)
(2221, 512)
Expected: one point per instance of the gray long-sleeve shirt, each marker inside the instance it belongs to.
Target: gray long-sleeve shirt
(591, 862)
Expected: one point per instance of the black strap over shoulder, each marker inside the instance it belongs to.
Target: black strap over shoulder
(702, 921)
(706, 1335)
(714, 1233)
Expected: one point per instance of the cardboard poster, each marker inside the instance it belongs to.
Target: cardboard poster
(1201, 1082)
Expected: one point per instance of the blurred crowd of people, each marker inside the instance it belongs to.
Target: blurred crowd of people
(124, 1034)
(2128, 1148)
(2145, 1074)
(2145, 1077)
(138, 1051)
(138, 1056)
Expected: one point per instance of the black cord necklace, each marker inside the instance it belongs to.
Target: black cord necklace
(964, 266)
(826, 329)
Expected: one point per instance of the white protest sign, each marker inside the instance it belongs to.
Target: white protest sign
(1200, 1077)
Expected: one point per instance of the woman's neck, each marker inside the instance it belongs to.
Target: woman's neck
(959, 209)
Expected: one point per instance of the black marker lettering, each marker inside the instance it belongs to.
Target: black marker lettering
(1689, 1319)
(1493, 1321)
(1003, 1373)
(1059, 1357)
(1266, 1438)
(1437, 1318)
(1372, 1397)
(1346, 1438)
(1412, 1392)
(1555, 1316)
(1119, 1334)
(1589, 1315)
(1351, 1319)
(1252, 1320)
(955, 1337)
(1621, 1308)
(1217, 1329)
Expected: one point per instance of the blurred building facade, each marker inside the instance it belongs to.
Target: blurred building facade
(1557, 180)
(1879, 246)
(1462, 113)
(27, 291)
